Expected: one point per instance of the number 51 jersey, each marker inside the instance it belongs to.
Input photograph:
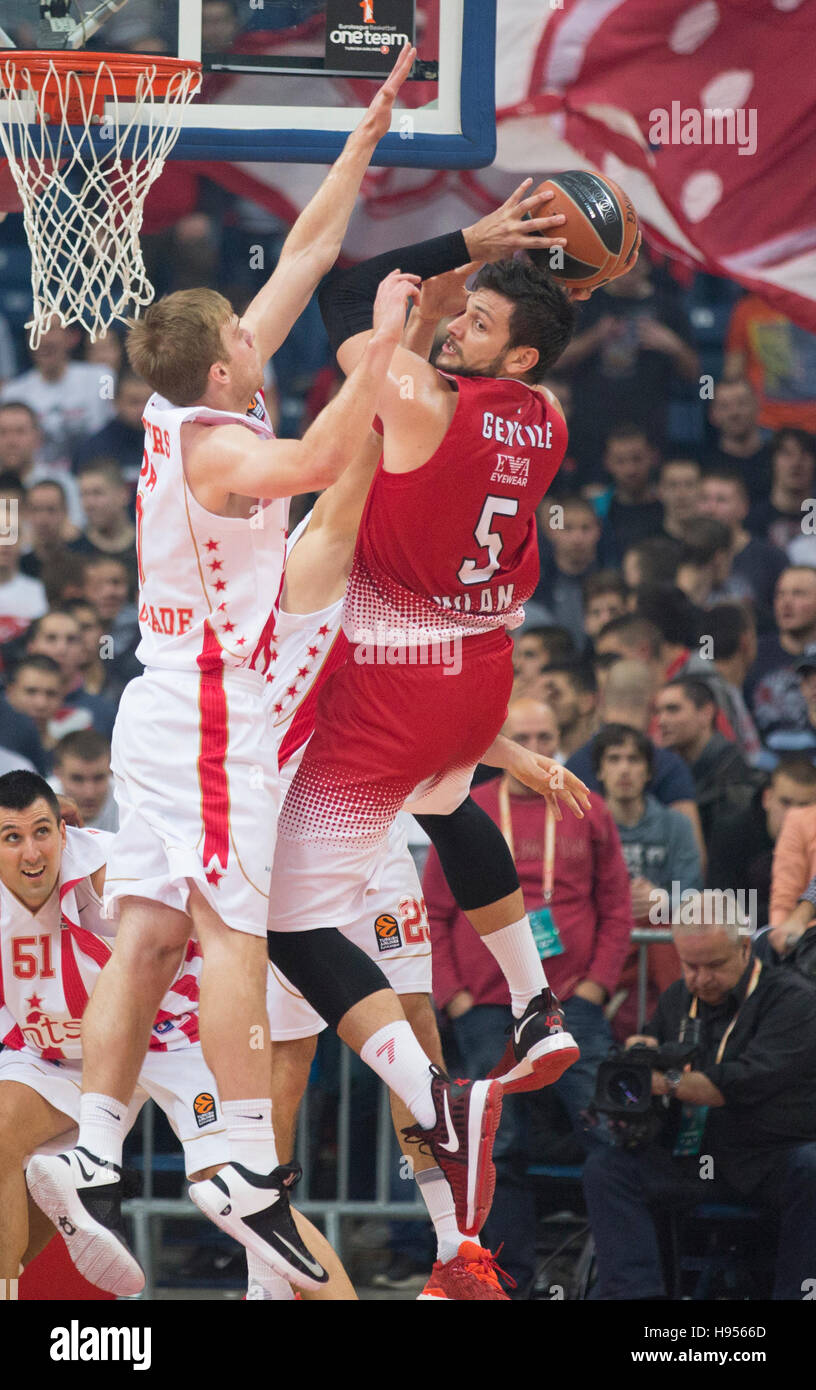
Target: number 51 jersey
(451, 548)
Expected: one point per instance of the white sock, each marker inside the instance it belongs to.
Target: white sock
(438, 1197)
(102, 1122)
(516, 955)
(250, 1136)
(265, 1282)
(395, 1055)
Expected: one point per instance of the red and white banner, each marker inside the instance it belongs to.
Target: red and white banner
(659, 94)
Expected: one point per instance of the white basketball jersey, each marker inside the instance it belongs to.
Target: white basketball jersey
(50, 962)
(208, 584)
(309, 647)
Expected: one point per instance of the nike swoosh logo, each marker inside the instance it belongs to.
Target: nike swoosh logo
(109, 1112)
(519, 1029)
(81, 1166)
(453, 1139)
(303, 1256)
(243, 1117)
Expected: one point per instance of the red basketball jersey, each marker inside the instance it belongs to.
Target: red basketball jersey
(451, 548)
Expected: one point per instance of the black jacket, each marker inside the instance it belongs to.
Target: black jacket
(767, 1074)
(740, 854)
(723, 781)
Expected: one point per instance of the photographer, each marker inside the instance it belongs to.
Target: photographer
(747, 1104)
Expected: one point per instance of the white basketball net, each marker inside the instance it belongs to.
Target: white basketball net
(83, 201)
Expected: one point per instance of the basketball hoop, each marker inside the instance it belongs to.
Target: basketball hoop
(83, 174)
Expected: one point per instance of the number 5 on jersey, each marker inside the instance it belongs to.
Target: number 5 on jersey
(491, 541)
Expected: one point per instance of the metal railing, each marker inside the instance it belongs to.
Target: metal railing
(148, 1211)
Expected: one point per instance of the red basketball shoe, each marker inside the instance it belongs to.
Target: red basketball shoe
(470, 1275)
(539, 1050)
(461, 1141)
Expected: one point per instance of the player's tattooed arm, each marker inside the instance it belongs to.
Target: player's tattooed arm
(543, 775)
(313, 244)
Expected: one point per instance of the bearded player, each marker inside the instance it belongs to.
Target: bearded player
(446, 551)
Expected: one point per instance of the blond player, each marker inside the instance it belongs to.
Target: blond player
(193, 756)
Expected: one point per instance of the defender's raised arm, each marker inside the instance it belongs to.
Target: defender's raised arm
(314, 242)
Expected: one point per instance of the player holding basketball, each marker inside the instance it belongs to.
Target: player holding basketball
(446, 550)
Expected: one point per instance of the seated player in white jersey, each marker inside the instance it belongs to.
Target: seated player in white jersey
(193, 757)
(394, 926)
(53, 943)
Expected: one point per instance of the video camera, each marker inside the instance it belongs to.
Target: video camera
(623, 1088)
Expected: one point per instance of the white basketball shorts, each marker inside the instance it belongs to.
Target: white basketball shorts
(197, 785)
(179, 1082)
(392, 928)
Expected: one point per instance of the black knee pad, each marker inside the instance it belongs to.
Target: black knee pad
(474, 855)
(329, 970)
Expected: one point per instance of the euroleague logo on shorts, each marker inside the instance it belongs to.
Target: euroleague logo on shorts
(387, 932)
(204, 1108)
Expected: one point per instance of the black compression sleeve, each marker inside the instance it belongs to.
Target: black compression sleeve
(474, 855)
(347, 296)
(331, 972)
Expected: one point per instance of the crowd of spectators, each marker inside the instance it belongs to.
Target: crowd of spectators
(668, 655)
(668, 658)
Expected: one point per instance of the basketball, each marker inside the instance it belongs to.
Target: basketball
(601, 229)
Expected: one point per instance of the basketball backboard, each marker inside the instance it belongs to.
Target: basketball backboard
(288, 79)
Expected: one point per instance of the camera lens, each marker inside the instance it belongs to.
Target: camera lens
(627, 1088)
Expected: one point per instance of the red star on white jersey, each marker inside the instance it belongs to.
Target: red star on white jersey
(303, 671)
(213, 545)
(323, 630)
(220, 584)
(278, 708)
(228, 627)
(214, 876)
(35, 1001)
(215, 565)
(312, 651)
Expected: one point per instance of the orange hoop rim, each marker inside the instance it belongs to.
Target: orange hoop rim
(88, 68)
